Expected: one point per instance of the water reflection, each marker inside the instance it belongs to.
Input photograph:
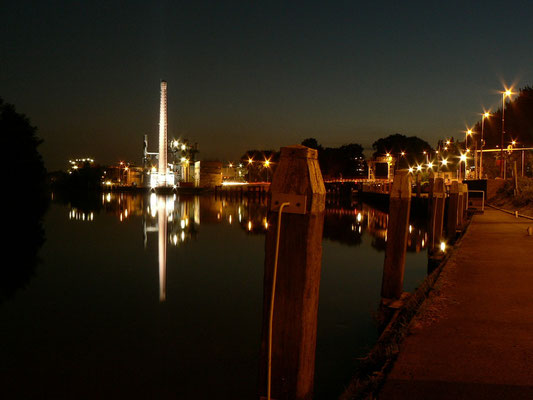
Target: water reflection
(176, 220)
(24, 241)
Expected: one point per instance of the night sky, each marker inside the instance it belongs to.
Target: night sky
(245, 75)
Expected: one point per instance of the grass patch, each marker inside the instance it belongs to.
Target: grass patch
(522, 201)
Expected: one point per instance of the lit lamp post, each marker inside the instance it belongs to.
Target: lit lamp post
(485, 115)
(250, 162)
(462, 159)
(389, 163)
(468, 132)
(267, 166)
(443, 163)
(505, 94)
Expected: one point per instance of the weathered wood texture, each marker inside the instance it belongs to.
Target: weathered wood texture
(437, 202)
(453, 210)
(461, 210)
(298, 278)
(465, 189)
(397, 232)
(298, 173)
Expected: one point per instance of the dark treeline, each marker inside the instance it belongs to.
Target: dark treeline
(346, 161)
(518, 122)
(86, 177)
(27, 179)
(260, 164)
(408, 150)
(518, 128)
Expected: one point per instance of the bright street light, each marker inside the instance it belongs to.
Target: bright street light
(506, 93)
(468, 132)
(486, 114)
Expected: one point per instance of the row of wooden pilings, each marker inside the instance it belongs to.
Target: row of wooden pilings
(446, 218)
(292, 267)
(238, 192)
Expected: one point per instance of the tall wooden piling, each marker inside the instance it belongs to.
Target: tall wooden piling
(453, 211)
(465, 189)
(436, 215)
(298, 181)
(397, 231)
(462, 203)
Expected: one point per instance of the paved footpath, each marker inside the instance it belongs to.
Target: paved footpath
(474, 338)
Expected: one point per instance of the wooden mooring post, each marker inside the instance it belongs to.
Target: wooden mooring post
(290, 321)
(465, 188)
(397, 232)
(463, 198)
(453, 211)
(436, 215)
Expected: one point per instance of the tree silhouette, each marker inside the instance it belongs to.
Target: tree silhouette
(346, 161)
(408, 151)
(27, 180)
(518, 128)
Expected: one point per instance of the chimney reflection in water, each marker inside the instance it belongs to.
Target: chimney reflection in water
(162, 242)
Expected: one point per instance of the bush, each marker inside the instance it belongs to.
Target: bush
(524, 196)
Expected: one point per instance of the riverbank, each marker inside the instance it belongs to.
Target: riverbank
(373, 369)
(472, 337)
(506, 198)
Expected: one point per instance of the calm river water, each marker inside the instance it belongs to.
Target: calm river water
(143, 296)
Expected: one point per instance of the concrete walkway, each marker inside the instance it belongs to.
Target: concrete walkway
(474, 338)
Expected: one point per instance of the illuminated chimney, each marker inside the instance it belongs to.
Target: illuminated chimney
(163, 135)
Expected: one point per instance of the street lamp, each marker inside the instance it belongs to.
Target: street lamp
(468, 132)
(506, 93)
(462, 158)
(486, 114)
(267, 165)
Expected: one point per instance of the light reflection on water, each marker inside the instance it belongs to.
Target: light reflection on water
(207, 263)
(177, 220)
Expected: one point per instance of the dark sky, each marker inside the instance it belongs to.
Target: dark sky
(250, 74)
